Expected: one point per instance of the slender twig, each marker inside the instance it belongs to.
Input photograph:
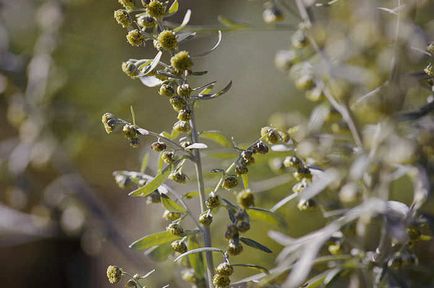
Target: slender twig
(201, 187)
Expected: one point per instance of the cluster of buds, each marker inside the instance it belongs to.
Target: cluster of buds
(130, 131)
(429, 70)
(240, 224)
(247, 158)
(222, 273)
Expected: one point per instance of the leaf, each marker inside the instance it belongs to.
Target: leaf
(231, 24)
(190, 195)
(184, 21)
(180, 37)
(174, 7)
(219, 40)
(171, 205)
(215, 95)
(152, 185)
(145, 161)
(159, 253)
(154, 239)
(207, 88)
(217, 137)
(254, 266)
(150, 81)
(266, 216)
(198, 250)
(153, 64)
(252, 243)
(196, 146)
(196, 259)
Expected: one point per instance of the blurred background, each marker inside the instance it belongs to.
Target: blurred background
(62, 217)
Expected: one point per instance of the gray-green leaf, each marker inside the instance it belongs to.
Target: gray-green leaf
(154, 239)
(152, 185)
(252, 243)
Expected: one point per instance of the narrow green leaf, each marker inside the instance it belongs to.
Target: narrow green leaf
(174, 7)
(184, 21)
(196, 259)
(217, 137)
(145, 161)
(252, 243)
(215, 95)
(231, 24)
(133, 114)
(254, 266)
(263, 215)
(159, 253)
(152, 185)
(154, 239)
(191, 195)
(171, 205)
(199, 250)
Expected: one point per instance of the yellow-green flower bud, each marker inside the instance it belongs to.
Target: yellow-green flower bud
(271, 135)
(292, 162)
(166, 90)
(430, 48)
(109, 121)
(146, 22)
(299, 40)
(221, 280)
(167, 40)
(229, 182)
(121, 16)
(178, 103)
(171, 216)
(303, 173)
(158, 146)
(184, 90)
(114, 274)
(213, 201)
(130, 69)
(135, 38)
(205, 218)
(225, 269)
(245, 199)
(241, 169)
(130, 132)
(175, 229)
(128, 4)
(315, 94)
(182, 126)
(260, 147)
(168, 157)
(184, 115)
(247, 155)
(181, 61)
(179, 246)
(335, 248)
(429, 70)
(243, 226)
(231, 231)
(305, 204)
(155, 9)
(178, 177)
(300, 186)
(304, 82)
(234, 247)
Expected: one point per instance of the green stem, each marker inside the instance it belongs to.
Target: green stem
(201, 187)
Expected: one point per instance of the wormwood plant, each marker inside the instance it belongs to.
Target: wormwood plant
(361, 143)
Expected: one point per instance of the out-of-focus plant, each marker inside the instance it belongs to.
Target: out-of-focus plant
(363, 147)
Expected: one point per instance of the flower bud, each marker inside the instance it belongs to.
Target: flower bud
(285, 59)
(182, 126)
(166, 40)
(166, 90)
(224, 269)
(303, 173)
(213, 201)
(292, 162)
(231, 231)
(155, 9)
(300, 186)
(305, 204)
(158, 146)
(109, 121)
(184, 90)
(271, 135)
(181, 61)
(130, 132)
(243, 226)
(205, 218)
(178, 177)
(168, 157)
(184, 115)
(146, 22)
(171, 216)
(261, 147)
(315, 94)
(128, 4)
(221, 280)
(175, 229)
(241, 169)
(272, 15)
(130, 69)
(429, 70)
(229, 182)
(234, 247)
(121, 16)
(135, 38)
(304, 82)
(245, 199)
(154, 197)
(185, 144)
(299, 39)
(430, 48)
(114, 274)
(179, 246)
(178, 103)
(247, 155)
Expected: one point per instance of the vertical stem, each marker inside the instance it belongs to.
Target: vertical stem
(201, 187)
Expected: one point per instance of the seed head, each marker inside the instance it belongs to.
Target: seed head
(135, 38)
(429, 70)
(181, 61)
(114, 274)
(430, 48)
(130, 132)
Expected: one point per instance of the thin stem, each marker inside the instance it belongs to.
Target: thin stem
(201, 187)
